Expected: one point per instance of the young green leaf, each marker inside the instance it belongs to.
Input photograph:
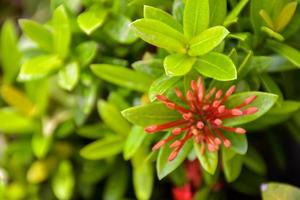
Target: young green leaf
(285, 16)
(61, 32)
(178, 64)
(69, 76)
(37, 33)
(10, 55)
(122, 76)
(91, 19)
(272, 33)
(160, 15)
(39, 67)
(154, 113)
(159, 34)
(207, 40)
(103, 148)
(112, 118)
(194, 21)
(235, 12)
(162, 85)
(266, 17)
(293, 55)
(85, 52)
(263, 101)
(164, 166)
(207, 159)
(41, 144)
(152, 67)
(216, 66)
(133, 142)
(280, 191)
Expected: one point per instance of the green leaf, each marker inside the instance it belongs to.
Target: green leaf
(152, 67)
(268, 20)
(37, 33)
(232, 164)
(239, 143)
(194, 21)
(154, 113)
(113, 118)
(293, 55)
(10, 55)
(161, 86)
(285, 16)
(254, 161)
(208, 160)
(272, 33)
(94, 131)
(133, 142)
(63, 181)
(61, 31)
(164, 166)
(216, 66)
(69, 76)
(39, 67)
(207, 40)
(263, 101)
(271, 86)
(159, 34)
(122, 76)
(160, 15)
(86, 52)
(91, 19)
(41, 144)
(218, 11)
(14, 122)
(235, 12)
(280, 191)
(178, 64)
(118, 28)
(103, 148)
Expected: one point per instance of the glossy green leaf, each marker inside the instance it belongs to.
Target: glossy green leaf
(86, 52)
(122, 76)
(159, 34)
(160, 15)
(91, 19)
(194, 22)
(118, 28)
(285, 15)
(113, 118)
(10, 55)
(103, 148)
(61, 32)
(235, 12)
(68, 76)
(216, 66)
(207, 40)
(207, 159)
(178, 64)
(133, 142)
(164, 166)
(293, 55)
(154, 113)
(39, 67)
(279, 191)
(162, 85)
(63, 181)
(37, 33)
(14, 122)
(239, 143)
(263, 101)
(232, 164)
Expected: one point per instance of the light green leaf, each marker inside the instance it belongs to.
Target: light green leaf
(194, 21)
(61, 32)
(103, 148)
(152, 67)
(207, 159)
(263, 101)
(293, 55)
(164, 166)
(69, 76)
(122, 76)
(37, 33)
(154, 113)
(178, 64)
(207, 40)
(159, 34)
(216, 66)
(133, 142)
(10, 55)
(218, 11)
(86, 52)
(272, 33)
(94, 131)
(41, 144)
(279, 191)
(39, 67)
(235, 12)
(113, 118)
(285, 16)
(91, 19)
(160, 15)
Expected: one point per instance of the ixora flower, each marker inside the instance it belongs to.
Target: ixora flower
(202, 118)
